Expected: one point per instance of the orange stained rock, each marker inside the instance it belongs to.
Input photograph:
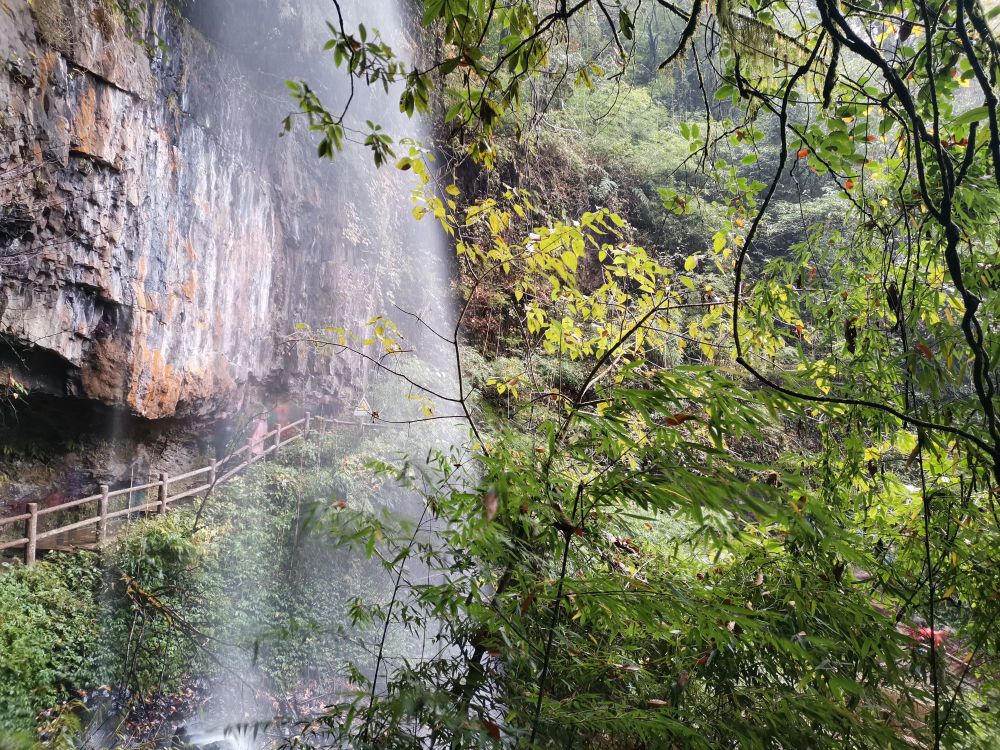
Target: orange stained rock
(85, 121)
(46, 64)
(190, 285)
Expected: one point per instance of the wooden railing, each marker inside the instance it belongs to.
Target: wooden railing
(215, 473)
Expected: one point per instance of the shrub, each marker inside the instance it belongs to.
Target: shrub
(50, 639)
(67, 623)
(259, 574)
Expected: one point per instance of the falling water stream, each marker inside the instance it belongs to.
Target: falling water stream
(404, 268)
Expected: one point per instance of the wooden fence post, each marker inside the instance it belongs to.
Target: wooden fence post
(164, 481)
(102, 511)
(277, 437)
(212, 471)
(308, 422)
(31, 531)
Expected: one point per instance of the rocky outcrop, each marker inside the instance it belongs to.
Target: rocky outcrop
(158, 239)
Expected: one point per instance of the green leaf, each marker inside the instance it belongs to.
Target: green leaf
(433, 9)
(973, 115)
(569, 259)
(625, 23)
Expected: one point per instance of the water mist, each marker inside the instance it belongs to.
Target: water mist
(395, 264)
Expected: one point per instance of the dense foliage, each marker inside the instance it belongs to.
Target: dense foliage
(48, 636)
(117, 630)
(72, 625)
(764, 512)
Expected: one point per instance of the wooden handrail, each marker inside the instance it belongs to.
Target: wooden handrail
(190, 493)
(193, 473)
(135, 509)
(237, 452)
(68, 505)
(14, 543)
(266, 445)
(136, 488)
(68, 527)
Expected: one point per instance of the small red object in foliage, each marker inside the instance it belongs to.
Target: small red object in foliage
(678, 418)
(924, 635)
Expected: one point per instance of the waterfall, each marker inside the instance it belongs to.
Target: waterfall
(352, 251)
(396, 263)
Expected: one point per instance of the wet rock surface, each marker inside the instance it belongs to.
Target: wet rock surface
(158, 240)
(115, 717)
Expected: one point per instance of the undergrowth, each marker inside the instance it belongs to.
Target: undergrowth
(135, 617)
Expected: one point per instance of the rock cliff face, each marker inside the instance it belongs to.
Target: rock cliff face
(158, 240)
